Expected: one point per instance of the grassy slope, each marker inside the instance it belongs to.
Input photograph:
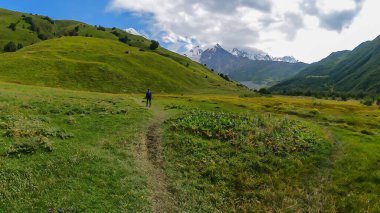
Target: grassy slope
(84, 170)
(24, 35)
(347, 71)
(267, 72)
(344, 178)
(102, 65)
(92, 171)
(99, 63)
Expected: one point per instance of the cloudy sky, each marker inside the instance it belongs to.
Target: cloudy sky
(307, 29)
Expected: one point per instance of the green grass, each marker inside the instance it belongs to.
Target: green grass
(90, 163)
(209, 173)
(95, 60)
(95, 64)
(223, 148)
(76, 150)
(234, 163)
(350, 72)
(23, 34)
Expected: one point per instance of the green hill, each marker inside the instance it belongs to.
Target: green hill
(267, 72)
(348, 72)
(29, 29)
(78, 56)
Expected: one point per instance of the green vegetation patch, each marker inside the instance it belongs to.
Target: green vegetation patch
(29, 135)
(267, 134)
(228, 162)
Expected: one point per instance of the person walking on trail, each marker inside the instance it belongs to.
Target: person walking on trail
(148, 97)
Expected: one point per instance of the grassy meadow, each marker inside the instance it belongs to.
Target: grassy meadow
(79, 151)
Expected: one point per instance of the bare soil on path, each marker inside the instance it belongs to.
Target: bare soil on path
(149, 155)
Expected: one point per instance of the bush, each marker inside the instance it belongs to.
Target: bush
(12, 27)
(47, 18)
(33, 26)
(42, 36)
(73, 33)
(20, 46)
(264, 91)
(116, 33)
(10, 47)
(368, 101)
(124, 39)
(101, 28)
(154, 45)
(225, 77)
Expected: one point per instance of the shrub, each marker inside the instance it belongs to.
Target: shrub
(377, 100)
(225, 77)
(368, 101)
(12, 27)
(116, 33)
(154, 45)
(33, 26)
(73, 33)
(47, 18)
(124, 39)
(264, 91)
(10, 47)
(20, 46)
(42, 36)
(101, 28)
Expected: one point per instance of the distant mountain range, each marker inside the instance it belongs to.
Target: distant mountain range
(246, 52)
(248, 65)
(356, 71)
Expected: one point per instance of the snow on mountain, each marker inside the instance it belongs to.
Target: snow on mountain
(194, 54)
(132, 31)
(251, 53)
(289, 59)
(246, 52)
(135, 32)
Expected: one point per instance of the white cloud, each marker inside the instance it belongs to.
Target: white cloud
(307, 29)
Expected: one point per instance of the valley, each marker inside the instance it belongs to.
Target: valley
(76, 134)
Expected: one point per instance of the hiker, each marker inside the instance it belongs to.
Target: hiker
(148, 97)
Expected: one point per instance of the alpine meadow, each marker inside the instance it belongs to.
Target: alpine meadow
(77, 133)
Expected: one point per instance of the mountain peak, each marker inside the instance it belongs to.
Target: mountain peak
(218, 46)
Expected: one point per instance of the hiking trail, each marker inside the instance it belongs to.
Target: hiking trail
(149, 155)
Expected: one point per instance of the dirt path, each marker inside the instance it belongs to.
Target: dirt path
(149, 155)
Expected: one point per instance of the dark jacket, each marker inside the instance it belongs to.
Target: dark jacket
(148, 95)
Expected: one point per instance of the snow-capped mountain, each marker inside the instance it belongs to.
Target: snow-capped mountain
(251, 53)
(194, 54)
(221, 60)
(289, 59)
(135, 32)
(246, 52)
(250, 65)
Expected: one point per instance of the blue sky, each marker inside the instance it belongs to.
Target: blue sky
(93, 12)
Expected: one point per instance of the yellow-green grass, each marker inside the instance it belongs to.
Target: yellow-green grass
(79, 148)
(84, 157)
(22, 34)
(343, 176)
(103, 65)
